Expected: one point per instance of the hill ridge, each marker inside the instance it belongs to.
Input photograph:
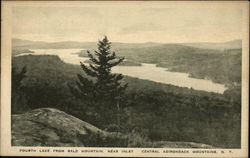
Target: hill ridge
(52, 127)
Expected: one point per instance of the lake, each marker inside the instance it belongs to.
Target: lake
(146, 71)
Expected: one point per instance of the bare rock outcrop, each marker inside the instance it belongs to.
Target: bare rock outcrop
(50, 127)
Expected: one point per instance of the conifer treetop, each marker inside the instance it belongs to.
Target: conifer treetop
(105, 84)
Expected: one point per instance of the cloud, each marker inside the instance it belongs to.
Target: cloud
(127, 23)
(142, 27)
(53, 20)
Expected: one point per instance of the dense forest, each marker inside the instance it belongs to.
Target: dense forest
(219, 62)
(216, 65)
(156, 111)
(220, 66)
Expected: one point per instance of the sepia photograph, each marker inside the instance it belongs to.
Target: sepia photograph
(113, 77)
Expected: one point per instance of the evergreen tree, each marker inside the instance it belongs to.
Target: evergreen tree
(17, 97)
(17, 78)
(102, 88)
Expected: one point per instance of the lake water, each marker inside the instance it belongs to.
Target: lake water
(146, 71)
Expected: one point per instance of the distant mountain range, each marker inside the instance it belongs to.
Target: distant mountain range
(219, 62)
(235, 44)
(26, 44)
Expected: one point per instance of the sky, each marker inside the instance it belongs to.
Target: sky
(166, 24)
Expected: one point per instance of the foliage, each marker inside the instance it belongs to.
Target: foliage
(166, 116)
(115, 139)
(124, 63)
(216, 65)
(105, 91)
(17, 97)
(17, 78)
(161, 111)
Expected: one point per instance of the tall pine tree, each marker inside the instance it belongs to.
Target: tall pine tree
(18, 101)
(102, 89)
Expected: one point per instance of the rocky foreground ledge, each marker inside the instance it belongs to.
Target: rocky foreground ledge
(52, 127)
(49, 127)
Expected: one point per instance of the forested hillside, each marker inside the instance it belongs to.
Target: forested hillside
(156, 111)
(235, 44)
(219, 62)
(218, 66)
